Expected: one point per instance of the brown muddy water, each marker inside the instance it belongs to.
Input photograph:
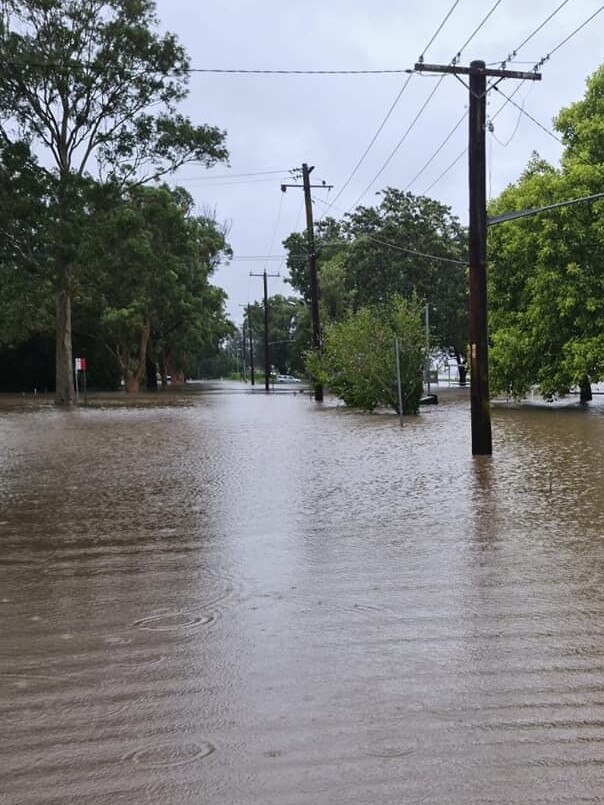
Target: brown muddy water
(250, 600)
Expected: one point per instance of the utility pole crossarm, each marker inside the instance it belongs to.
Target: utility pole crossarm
(486, 71)
(312, 186)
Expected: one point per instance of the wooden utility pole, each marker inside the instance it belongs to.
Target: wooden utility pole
(267, 365)
(477, 246)
(251, 337)
(312, 261)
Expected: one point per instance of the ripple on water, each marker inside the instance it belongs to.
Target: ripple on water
(170, 755)
(118, 640)
(172, 621)
(140, 665)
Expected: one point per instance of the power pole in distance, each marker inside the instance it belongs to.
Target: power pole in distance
(248, 333)
(479, 334)
(251, 337)
(267, 365)
(312, 261)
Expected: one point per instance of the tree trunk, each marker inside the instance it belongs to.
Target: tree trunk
(134, 379)
(133, 385)
(64, 389)
(163, 370)
(178, 378)
(586, 395)
(151, 375)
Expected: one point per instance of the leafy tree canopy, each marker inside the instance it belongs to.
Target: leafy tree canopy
(377, 252)
(546, 281)
(95, 88)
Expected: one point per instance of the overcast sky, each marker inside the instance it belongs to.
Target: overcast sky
(277, 122)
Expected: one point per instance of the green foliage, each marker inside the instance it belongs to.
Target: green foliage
(78, 77)
(358, 359)
(25, 225)
(329, 240)
(289, 332)
(378, 252)
(546, 283)
(152, 291)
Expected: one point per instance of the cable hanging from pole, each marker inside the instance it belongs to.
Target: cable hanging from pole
(512, 55)
(394, 246)
(548, 56)
(453, 61)
(392, 107)
(508, 99)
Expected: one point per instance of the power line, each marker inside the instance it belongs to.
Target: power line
(438, 150)
(505, 144)
(512, 216)
(510, 56)
(392, 108)
(390, 245)
(238, 71)
(533, 33)
(530, 117)
(209, 183)
(475, 31)
(464, 151)
(453, 61)
(446, 170)
(235, 175)
(224, 70)
(374, 138)
(410, 127)
(259, 257)
(277, 222)
(438, 30)
(415, 252)
(547, 57)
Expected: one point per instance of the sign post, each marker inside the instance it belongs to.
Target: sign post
(80, 366)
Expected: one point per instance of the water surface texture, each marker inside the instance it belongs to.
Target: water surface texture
(251, 600)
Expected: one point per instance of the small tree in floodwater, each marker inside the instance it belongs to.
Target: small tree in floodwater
(358, 363)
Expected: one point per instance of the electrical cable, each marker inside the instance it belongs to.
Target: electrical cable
(374, 138)
(547, 57)
(392, 108)
(209, 183)
(393, 245)
(234, 175)
(453, 61)
(238, 71)
(229, 71)
(475, 31)
(512, 54)
(446, 170)
(530, 117)
(277, 222)
(438, 150)
(438, 30)
(527, 39)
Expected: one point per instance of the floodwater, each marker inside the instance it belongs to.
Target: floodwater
(244, 599)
